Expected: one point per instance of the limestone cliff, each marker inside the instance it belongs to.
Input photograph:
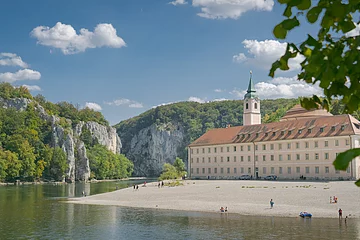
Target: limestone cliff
(153, 146)
(68, 138)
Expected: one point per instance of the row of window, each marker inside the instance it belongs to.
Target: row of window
(265, 158)
(264, 170)
(271, 146)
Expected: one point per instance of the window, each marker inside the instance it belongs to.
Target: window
(280, 146)
(256, 147)
(215, 170)
(306, 144)
(336, 142)
(289, 157)
(266, 134)
(249, 170)
(221, 159)
(321, 129)
(257, 135)
(247, 106)
(280, 170)
(342, 127)
(272, 170)
(272, 157)
(192, 151)
(214, 150)
(242, 158)
(234, 148)
(242, 170)
(347, 142)
(309, 130)
(228, 170)
(326, 143)
(209, 160)
(209, 170)
(264, 157)
(297, 145)
(234, 158)
(192, 170)
(264, 147)
(192, 160)
(221, 170)
(297, 169)
(249, 148)
(203, 170)
(242, 148)
(215, 159)
(300, 131)
(249, 158)
(348, 170)
(255, 105)
(326, 155)
(256, 158)
(282, 133)
(316, 156)
(228, 159)
(297, 156)
(228, 149)
(274, 133)
(289, 145)
(316, 144)
(317, 170)
(272, 146)
(326, 169)
(203, 150)
(221, 149)
(280, 158)
(197, 170)
(203, 159)
(209, 150)
(290, 132)
(289, 170)
(264, 170)
(306, 156)
(332, 128)
(307, 169)
(197, 160)
(235, 170)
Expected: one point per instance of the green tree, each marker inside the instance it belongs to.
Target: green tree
(58, 164)
(179, 166)
(331, 58)
(169, 172)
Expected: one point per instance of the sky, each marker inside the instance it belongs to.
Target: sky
(123, 57)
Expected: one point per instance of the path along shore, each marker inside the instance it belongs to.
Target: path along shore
(241, 197)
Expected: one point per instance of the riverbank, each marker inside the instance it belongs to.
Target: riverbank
(241, 197)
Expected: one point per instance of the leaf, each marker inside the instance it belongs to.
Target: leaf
(327, 21)
(343, 159)
(289, 24)
(307, 52)
(287, 12)
(357, 183)
(274, 66)
(347, 26)
(305, 4)
(279, 31)
(313, 14)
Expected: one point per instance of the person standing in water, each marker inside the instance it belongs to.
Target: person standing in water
(271, 203)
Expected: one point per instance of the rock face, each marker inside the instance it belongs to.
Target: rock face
(68, 139)
(153, 146)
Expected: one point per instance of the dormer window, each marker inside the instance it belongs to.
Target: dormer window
(257, 134)
(282, 132)
(266, 134)
(274, 133)
(290, 131)
(243, 135)
(342, 127)
(249, 135)
(309, 130)
(321, 129)
(333, 128)
(300, 131)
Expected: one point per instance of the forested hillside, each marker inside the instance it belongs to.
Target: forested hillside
(29, 150)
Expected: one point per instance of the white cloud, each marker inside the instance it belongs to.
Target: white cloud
(93, 106)
(65, 37)
(355, 32)
(219, 100)
(162, 104)
(125, 102)
(218, 90)
(196, 99)
(32, 87)
(263, 53)
(23, 74)
(178, 2)
(11, 59)
(221, 9)
(282, 87)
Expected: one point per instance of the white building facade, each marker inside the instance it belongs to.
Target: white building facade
(303, 144)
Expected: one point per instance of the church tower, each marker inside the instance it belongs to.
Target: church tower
(251, 115)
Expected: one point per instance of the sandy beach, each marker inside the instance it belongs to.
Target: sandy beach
(241, 197)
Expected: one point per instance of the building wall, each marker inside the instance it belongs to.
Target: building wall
(288, 159)
(251, 114)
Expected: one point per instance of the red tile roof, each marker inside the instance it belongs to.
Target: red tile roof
(339, 125)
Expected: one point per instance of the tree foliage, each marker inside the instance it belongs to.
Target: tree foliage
(177, 170)
(331, 58)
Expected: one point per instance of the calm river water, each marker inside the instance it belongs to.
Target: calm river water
(38, 212)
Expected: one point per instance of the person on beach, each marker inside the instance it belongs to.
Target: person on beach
(159, 185)
(162, 183)
(271, 203)
(137, 187)
(340, 213)
(134, 187)
(222, 209)
(226, 209)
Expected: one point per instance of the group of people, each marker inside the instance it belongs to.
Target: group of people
(161, 184)
(334, 199)
(222, 209)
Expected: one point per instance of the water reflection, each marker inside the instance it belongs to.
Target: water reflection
(36, 212)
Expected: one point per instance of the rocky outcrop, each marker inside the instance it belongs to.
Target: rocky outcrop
(153, 146)
(68, 139)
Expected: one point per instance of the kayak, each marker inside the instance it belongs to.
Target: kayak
(305, 215)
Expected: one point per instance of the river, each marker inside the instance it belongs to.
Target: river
(39, 212)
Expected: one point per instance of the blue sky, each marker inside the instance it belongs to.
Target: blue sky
(137, 54)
